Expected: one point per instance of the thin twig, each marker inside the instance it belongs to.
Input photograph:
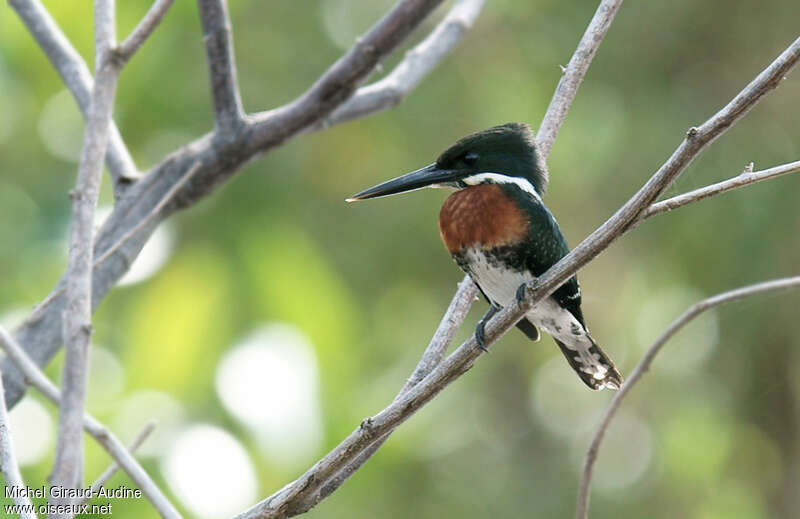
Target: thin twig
(228, 111)
(98, 431)
(75, 74)
(574, 73)
(14, 485)
(112, 469)
(417, 63)
(146, 26)
(68, 464)
(641, 368)
(743, 179)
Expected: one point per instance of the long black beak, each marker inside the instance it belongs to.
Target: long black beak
(418, 179)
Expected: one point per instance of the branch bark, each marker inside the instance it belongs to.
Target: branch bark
(146, 26)
(574, 73)
(75, 74)
(745, 178)
(98, 431)
(641, 368)
(8, 463)
(68, 464)
(228, 112)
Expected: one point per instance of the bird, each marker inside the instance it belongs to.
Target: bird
(499, 231)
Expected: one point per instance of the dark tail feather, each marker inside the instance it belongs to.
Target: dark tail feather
(593, 366)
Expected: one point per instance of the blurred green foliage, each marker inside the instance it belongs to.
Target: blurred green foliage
(716, 436)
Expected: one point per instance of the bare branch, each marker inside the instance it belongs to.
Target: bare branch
(228, 111)
(68, 464)
(743, 179)
(73, 70)
(417, 63)
(641, 368)
(451, 321)
(574, 73)
(41, 332)
(137, 442)
(339, 82)
(9, 465)
(97, 430)
(146, 26)
(150, 217)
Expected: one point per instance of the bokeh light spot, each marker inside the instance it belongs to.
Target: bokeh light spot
(106, 378)
(688, 349)
(562, 403)
(141, 407)
(624, 457)
(269, 382)
(61, 127)
(153, 256)
(31, 431)
(210, 472)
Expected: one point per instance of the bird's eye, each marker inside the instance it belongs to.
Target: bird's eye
(470, 158)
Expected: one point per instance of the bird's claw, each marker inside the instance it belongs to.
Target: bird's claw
(521, 292)
(480, 335)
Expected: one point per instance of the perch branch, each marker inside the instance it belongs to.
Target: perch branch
(574, 73)
(228, 112)
(641, 368)
(8, 462)
(75, 74)
(68, 465)
(146, 26)
(97, 430)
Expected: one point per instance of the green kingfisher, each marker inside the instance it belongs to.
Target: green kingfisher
(499, 231)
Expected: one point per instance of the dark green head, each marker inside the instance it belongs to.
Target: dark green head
(502, 154)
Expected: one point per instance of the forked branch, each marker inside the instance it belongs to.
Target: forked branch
(75, 74)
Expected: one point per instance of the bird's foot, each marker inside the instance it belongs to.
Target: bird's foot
(521, 292)
(480, 329)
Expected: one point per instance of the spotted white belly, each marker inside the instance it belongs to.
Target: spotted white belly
(500, 285)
